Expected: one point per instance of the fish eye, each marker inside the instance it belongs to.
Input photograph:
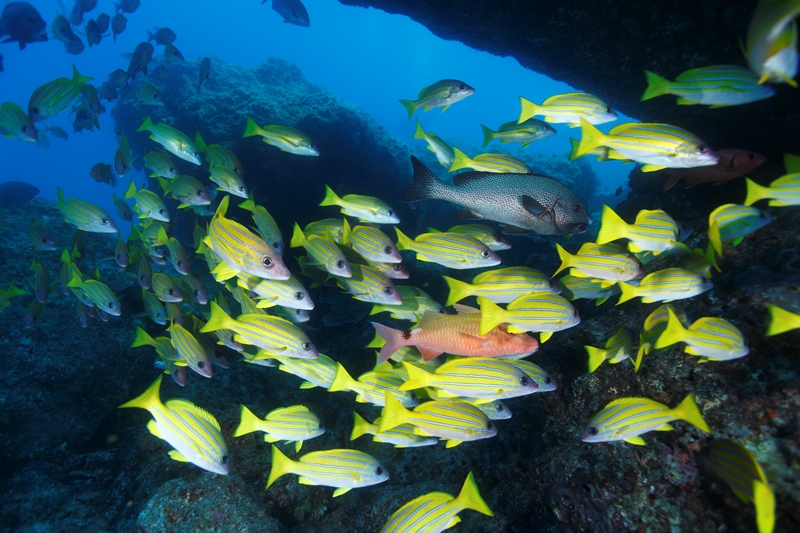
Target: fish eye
(298, 295)
(484, 254)
(412, 395)
(25, 129)
(387, 250)
(523, 381)
(199, 192)
(340, 264)
(462, 87)
(306, 346)
(34, 111)
(200, 364)
(267, 262)
(550, 283)
(575, 312)
(489, 424)
(593, 431)
(500, 408)
(196, 154)
(397, 267)
(197, 292)
(161, 211)
(390, 213)
(387, 290)
(180, 263)
(639, 265)
(548, 380)
(702, 148)
(241, 188)
(104, 221)
(609, 110)
(378, 471)
(110, 305)
(276, 244)
(171, 292)
(577, 207)
(224, 458)
(172, 170)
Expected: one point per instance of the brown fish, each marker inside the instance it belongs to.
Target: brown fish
(733, 163)
(104, 173)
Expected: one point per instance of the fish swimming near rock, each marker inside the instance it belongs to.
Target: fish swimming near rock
(443, 93)
(205, 67)
(162, 36)
(292, 11)
(524, 203)
(14, 193)
(14, 123)
(21, 22)
(139, 59)
(733, 163)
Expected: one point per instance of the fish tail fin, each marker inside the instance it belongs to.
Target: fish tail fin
(222, 208)
(627, 291)
(76, 280)
(142, 338)
(162, 238)
(248, 422)
(164, 184)
(612, 227)
(528, 109)
(591, 138)
(781, 320)
(566, 259)
(424, 184)
(688, 411)
(150, 36)
(404, 242)
(149, 399)
(755, 192)
(394, 414)
(715, 238)
(252, 128)
(673, 334)
(411, 107)
(218, 319)
(131, 191)
(249, 204)
(596, 357)
(199, 142)
(419, 133)
(656, 86)
(764, 501)
(792, 163)
(488, 135)
(492, 315)
(342, 380)
(13, 290)
(331, 198)
(711, 257)
(360, 426)
(458, 290)
(147, 125)
(573, 153)
(417, 378)
(78, 78)
(470, 497)
(393, 338)
(281, 465)
(298, 237)
(61, 200)
(347, 233)
(460, 160)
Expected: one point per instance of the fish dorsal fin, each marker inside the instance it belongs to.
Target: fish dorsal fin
(286, 410)
(178, 404)
(460, 309)
(428, 317)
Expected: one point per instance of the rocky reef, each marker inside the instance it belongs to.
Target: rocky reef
(603, 47)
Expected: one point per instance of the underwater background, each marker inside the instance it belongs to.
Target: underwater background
(72, 461)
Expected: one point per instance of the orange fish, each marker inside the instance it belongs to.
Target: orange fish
(455, 334)
(732, 164)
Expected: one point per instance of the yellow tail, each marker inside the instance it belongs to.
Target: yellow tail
(417, 378)
(149, 399)
(342, 381)
(394, 414)
(281, 465)
(458, 290)
(528, 110)
(782, 320)
(488, 135)
(628, 292)
(403, 241)
(147, 125)
(131, 191)
(331, 198)
(142, 338)
(492, 315)
(411, 107)
(249, 204)
(755, 192)
(460, 160)
(573, 154)
(596, 357)
(248, 422)
(298, 237)
(612, 227)
(470, 497)
(656, 86)
(347, 233)
(252, 128)
(674, 333)
(689, 411)
(360, 426)
(764, 501)
(218, 319)
(566, 259)
(591, 138)
(419, 133)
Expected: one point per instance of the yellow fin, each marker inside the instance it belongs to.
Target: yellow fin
(639, 441)
(178, 456)
(764, 501)
(340, 491)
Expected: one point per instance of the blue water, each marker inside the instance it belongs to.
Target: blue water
(365, 56)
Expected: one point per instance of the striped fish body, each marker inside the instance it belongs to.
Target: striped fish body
(653, 230)
(341, 468)
(627, 418)
(455, 334)
(228, 181)
(782, 192)
(436, 511)
(700, 262)
(372, 387)
(407, 310)
(716, 86)
(187, 190)
(55, 96)
(737, 466)
(291, 424)
(367, 284)
(401, 436)
(194, 287)
(98, 293)
(85, 215)
(173, 140)
(733, 222)
(666, 286)
(122, 157)
(328, 228)
(318, 372)
(190, 350)
(568, 108)
(525, 132)
(41, 281)
(442, 150)
(144, 272)
(322, 253)
(713, 339)
(286, 138)
(154, 308)
(476, 377)
(366, 208)
(501, 286)
(575, 288)
(657, 146)
(265, 224)
(537, 311)
(148, 204)
(452, 250)
(391, 270)
(217, 155)
(543, 380)
(161, 165)
(177, 255)
(768, 36)
(241, 250)
(272, 292)
(618, 348)
(15, 123)
(371, 243)
(165, 288)
(443, 93)
(295, 316)
(495, 163)
(193, 432)
(451, 420)
(488, 236)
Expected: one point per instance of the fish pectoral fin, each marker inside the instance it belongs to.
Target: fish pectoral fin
(429, 353)
(514, 230)
(532, 206)
(307, 385)
(444, 107)
(178, 456)
(665, 427)
(340, 491)
(305, 481)
(684, 101)
(453, 521)
(297, 446)
(652, 168)
(152, 427)
(270, 438)
(452, 443)
(421, 432)
(515, 329)
(639, 441)
(544, 336)
(469, 213)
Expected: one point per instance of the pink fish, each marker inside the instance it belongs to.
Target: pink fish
(732, 164)
(455, 334)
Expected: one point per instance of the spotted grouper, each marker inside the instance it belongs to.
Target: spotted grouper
(523, 203)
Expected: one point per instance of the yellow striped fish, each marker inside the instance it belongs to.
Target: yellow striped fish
(97, 292)
(189, 350)
(739, 468)
(657, 146)
(575, 288)
(240, 249)
(451, 420)
(367, 284)
(452, 250)
(665, 285)
(371, 387)
(415, 303)
(524, 132)
(568, 108)
(161, 165)
(322, 253)
(154, 308)
(327, 228)
(437, 511)
(192, 431)
(371, 243)
(148, 204)
(771, 48)
(443, 93)
(497, 163)
(501, 286)
(653, 230)
(732, 223)
(654, 325)
(186, 189)
(228, 181)
(607, 262)
(543, 380)
(85, 215)
(177, 255)
(401, 436)
(627, 418)
(271, 292)
(473, 377)
(265, 224)
(165, 288)
(270, 333)
(286, 138)
(618, 348)
(173, 140)
(365, 208)
(713, 339)
(291, 424)
(781, 320)
(717, 86)
(219, 155)
(536, 312)
(488, 236)
(317, 372)
(344, 469)
(442, 150)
